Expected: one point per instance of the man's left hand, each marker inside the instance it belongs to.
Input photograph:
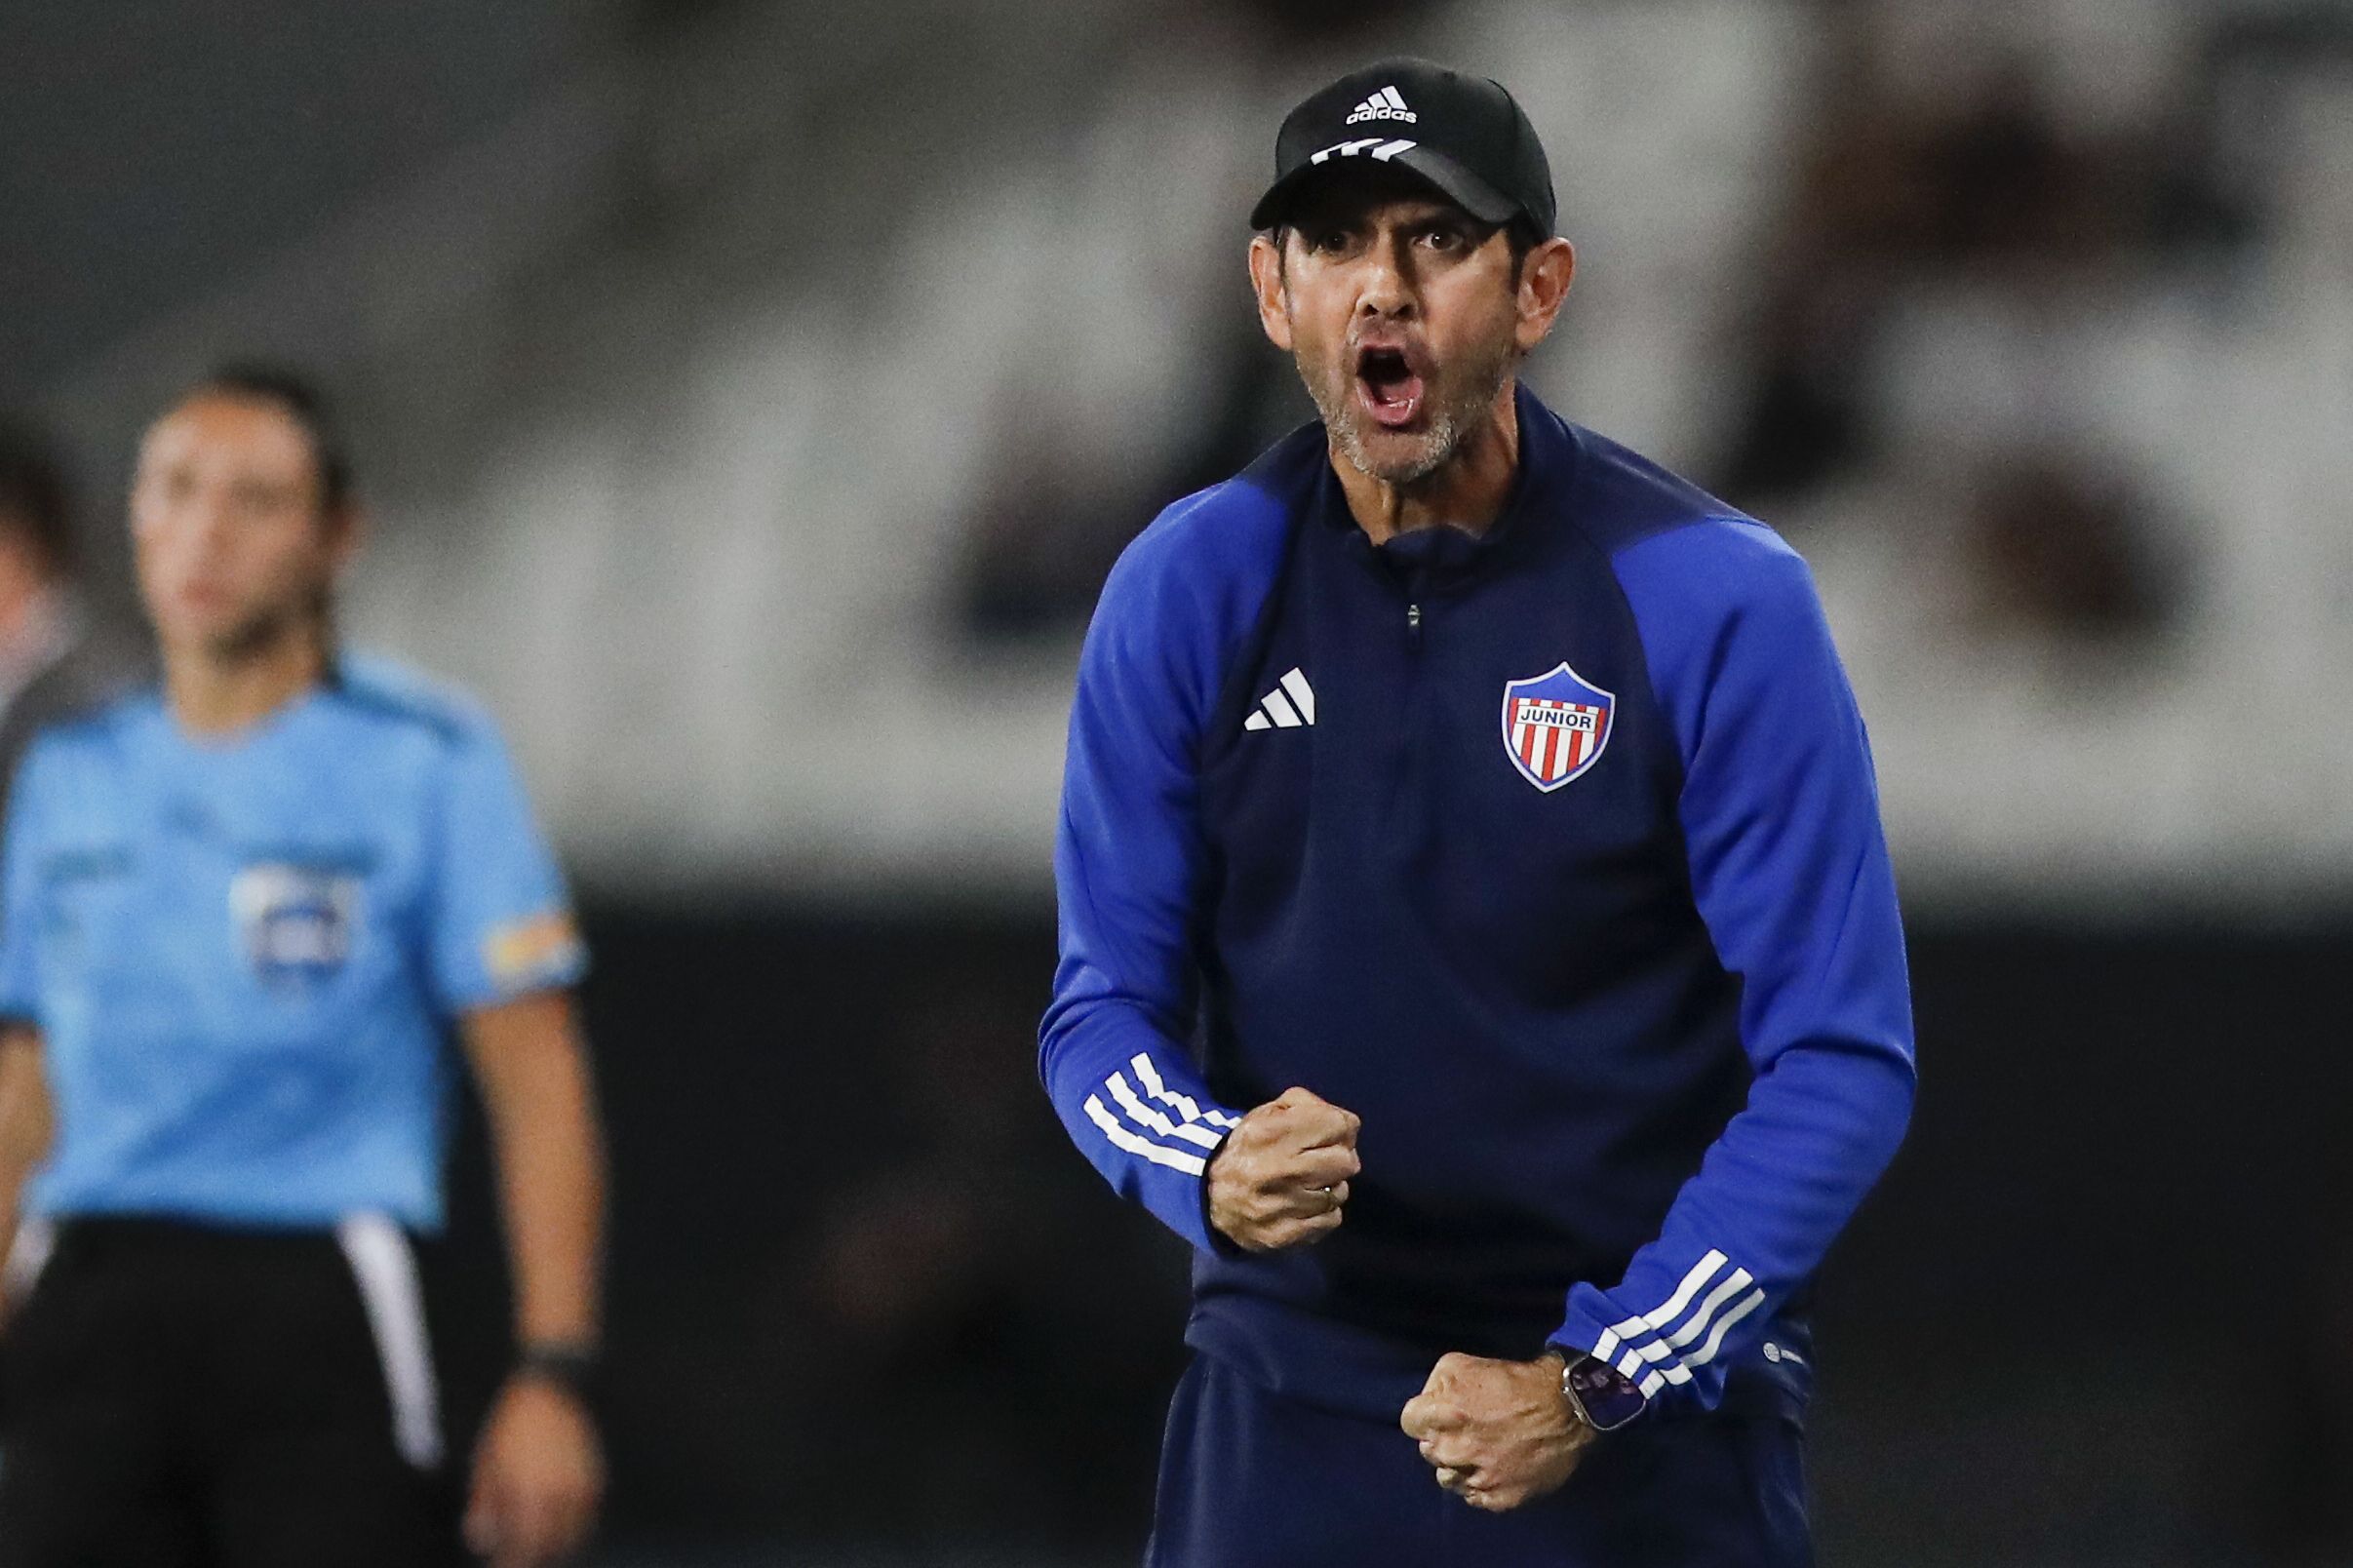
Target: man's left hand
(538, 1476)
(1499, 1433)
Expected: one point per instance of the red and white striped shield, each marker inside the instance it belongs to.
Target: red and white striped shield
(1555, 725)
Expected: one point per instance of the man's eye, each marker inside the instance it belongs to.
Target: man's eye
(1329, 240)
(1442, 239)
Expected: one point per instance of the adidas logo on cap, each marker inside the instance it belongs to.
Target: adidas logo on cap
(1385, 104)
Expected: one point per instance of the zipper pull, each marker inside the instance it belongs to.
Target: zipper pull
(1413, 624)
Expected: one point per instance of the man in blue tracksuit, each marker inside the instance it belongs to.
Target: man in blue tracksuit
(1478, 935)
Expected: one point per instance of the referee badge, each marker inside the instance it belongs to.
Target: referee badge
(1555, 725)
(295, 921)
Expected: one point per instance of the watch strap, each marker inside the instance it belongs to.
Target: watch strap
(573, 1368)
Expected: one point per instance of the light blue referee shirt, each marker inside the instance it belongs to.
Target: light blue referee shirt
(244, 955)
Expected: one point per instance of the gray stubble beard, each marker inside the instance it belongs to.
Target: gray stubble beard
(1451, 422)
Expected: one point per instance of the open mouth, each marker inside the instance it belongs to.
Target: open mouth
(1389, 387)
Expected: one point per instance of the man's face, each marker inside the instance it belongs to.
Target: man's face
(1403, 314)
(232, 542)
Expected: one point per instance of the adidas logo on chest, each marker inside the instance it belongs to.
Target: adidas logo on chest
(1291, 705)
(1385, 104)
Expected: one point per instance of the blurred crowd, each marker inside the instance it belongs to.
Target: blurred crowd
(1953, 191)
(2029, 324)
(2033, 331)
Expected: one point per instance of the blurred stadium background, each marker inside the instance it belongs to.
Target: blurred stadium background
(752, 394)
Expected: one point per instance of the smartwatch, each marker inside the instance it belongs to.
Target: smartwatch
(1603, 1397)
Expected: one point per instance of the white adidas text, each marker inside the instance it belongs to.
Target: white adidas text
(1385, 104)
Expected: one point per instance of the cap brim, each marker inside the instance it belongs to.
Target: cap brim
(1451, 180)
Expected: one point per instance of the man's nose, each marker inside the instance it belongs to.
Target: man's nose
(1387, 291)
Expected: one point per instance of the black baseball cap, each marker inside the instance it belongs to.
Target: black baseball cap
(1464, 134)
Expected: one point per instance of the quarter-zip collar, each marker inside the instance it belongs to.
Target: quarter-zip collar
(1441, 558)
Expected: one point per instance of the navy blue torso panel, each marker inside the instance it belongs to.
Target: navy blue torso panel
(1387, 872)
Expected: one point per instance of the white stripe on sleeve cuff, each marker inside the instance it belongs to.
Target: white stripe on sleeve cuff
(1159, 1125)
(1661, 1335)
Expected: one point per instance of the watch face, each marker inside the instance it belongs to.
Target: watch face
(1607, 1397)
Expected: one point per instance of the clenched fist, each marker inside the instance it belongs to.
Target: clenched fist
(1280, 1177)
(1497, 1433)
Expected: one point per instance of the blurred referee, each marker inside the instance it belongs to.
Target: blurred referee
(241, 914)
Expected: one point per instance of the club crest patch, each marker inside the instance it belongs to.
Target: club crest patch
(1555, 725)
(295, 921)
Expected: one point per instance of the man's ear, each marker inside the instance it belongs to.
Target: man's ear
(1544, 282)
(1265, 279)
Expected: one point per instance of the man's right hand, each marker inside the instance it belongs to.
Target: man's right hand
(1280, 1177)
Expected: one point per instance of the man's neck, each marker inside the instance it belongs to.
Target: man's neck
(1468, 491)
(217, 693)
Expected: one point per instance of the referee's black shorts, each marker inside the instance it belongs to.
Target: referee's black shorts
(198, 1397)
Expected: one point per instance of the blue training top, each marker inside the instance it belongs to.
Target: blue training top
(1554, 853)
(243, 955)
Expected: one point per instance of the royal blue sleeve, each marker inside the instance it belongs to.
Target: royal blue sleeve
(1790, 869)
(502, 923)
(1128, 873)
(20, 921)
